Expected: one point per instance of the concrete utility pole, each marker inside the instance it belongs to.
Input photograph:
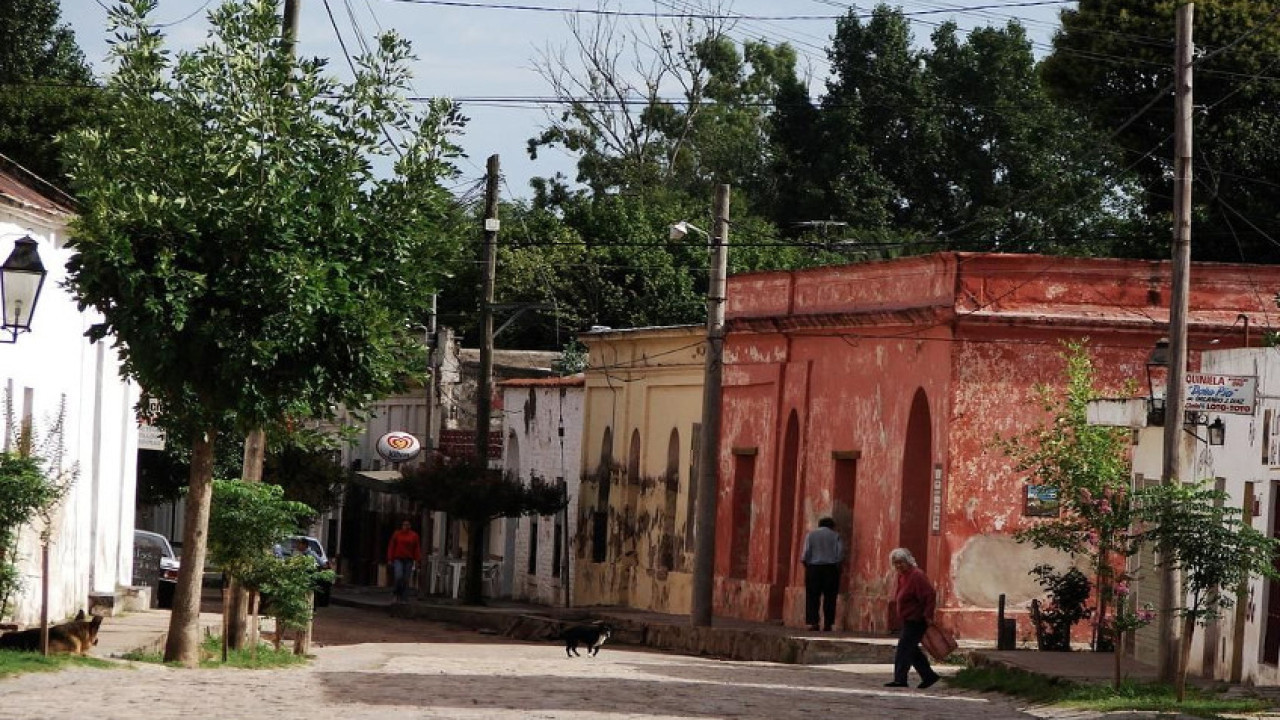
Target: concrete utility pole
(290, 26)
(704, 548)
(1175, 395)
(484, 385)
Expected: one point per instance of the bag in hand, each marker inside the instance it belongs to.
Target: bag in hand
(938, 643)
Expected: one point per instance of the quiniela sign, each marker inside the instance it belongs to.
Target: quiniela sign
(1234, 394)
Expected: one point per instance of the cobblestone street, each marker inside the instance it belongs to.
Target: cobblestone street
(443, 672)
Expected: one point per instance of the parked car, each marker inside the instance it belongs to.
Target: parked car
(169, 564)
(296, 544)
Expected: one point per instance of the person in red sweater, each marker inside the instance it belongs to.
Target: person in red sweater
(914, 603)
(403, 552)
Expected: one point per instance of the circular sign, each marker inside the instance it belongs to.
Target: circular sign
(398, 447)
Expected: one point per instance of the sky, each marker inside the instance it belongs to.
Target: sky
(484, 51)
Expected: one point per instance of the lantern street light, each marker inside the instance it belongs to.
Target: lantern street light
(21, 278)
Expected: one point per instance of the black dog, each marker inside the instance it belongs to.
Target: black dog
(592, 636)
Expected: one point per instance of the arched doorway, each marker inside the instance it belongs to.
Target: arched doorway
(917, 464)
(787, 483)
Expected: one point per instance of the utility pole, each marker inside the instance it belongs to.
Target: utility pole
(704, 552)
(290, 26)
(1175, 395)
(484, 384)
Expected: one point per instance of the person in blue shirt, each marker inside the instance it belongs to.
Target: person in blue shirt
(823, 553)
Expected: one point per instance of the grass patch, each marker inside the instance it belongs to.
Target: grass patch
(14, 662)
(211, 657)
(1151, 697)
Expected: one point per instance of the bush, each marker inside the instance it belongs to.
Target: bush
(1068, 597)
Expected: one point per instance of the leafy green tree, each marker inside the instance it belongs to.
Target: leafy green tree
(956, 146)
(1088, 466)
(1113, 61)
(246, 522)
(46, 87)
(477, 496)
(247, 258)
(1196, 531)
(25, 494)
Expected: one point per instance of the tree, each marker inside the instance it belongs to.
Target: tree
(33, 480)
(247, 258)
(956, 146)
(1113, 61)
(477, 495)
(246, 522)
(46, 87)
(1087, 466)
(1196, 531)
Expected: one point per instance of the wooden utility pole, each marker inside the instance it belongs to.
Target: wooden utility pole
(484, 385)
(1175, 395)
(290, 26)
(704, 552)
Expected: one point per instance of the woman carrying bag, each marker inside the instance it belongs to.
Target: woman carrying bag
(914, 602)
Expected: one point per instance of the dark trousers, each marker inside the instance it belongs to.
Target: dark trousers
(821, 583)
(909, 655)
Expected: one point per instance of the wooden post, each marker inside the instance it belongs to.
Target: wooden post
(1175, 396)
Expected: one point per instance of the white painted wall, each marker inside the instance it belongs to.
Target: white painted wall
(1238, 461)
(91, 549)
(532, 421)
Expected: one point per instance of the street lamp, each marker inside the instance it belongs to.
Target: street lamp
(682, 228)
(1159, 358)
(21, 278)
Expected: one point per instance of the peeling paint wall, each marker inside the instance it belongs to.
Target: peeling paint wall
(642, 404)
(900, 374)
(544, 421)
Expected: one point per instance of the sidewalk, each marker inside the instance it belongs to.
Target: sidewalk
(144, 631)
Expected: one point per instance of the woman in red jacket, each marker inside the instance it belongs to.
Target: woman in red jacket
(914, 602)
(403, 552)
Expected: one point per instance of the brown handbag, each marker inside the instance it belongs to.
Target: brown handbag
(938, 643)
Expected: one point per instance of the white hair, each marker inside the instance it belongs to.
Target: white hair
(904, 555)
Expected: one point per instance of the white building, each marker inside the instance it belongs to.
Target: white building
(51, 372)
(542, 437)
(1244, 645)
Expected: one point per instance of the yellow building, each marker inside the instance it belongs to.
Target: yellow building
(642, 413)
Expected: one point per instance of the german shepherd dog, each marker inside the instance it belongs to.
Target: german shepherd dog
(75, 637)
(592, 636)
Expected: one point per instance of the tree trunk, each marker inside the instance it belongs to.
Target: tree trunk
(471, 592)
(1188, 627)
(302, 636)
(255, 450)
(183, 644)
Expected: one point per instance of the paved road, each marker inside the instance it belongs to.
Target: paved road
(435, 671)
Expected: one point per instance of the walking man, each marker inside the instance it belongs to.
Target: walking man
(403, 552)
(823, 553)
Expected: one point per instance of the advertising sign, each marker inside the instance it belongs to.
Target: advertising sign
(398, 447)
(1233, 394)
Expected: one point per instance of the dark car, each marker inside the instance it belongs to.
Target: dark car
(297, 544)
(169, 564)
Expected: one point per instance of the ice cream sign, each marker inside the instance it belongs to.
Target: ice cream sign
(1235, 394)
(398, 446)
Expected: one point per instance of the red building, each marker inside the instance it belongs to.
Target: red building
(873, 393)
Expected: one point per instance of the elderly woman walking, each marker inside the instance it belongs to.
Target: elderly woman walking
(914, 604)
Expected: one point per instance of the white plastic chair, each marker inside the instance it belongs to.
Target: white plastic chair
(491, 576)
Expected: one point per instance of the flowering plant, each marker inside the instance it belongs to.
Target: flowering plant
(1128, 617)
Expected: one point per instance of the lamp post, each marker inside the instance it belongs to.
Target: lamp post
(21, 278)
